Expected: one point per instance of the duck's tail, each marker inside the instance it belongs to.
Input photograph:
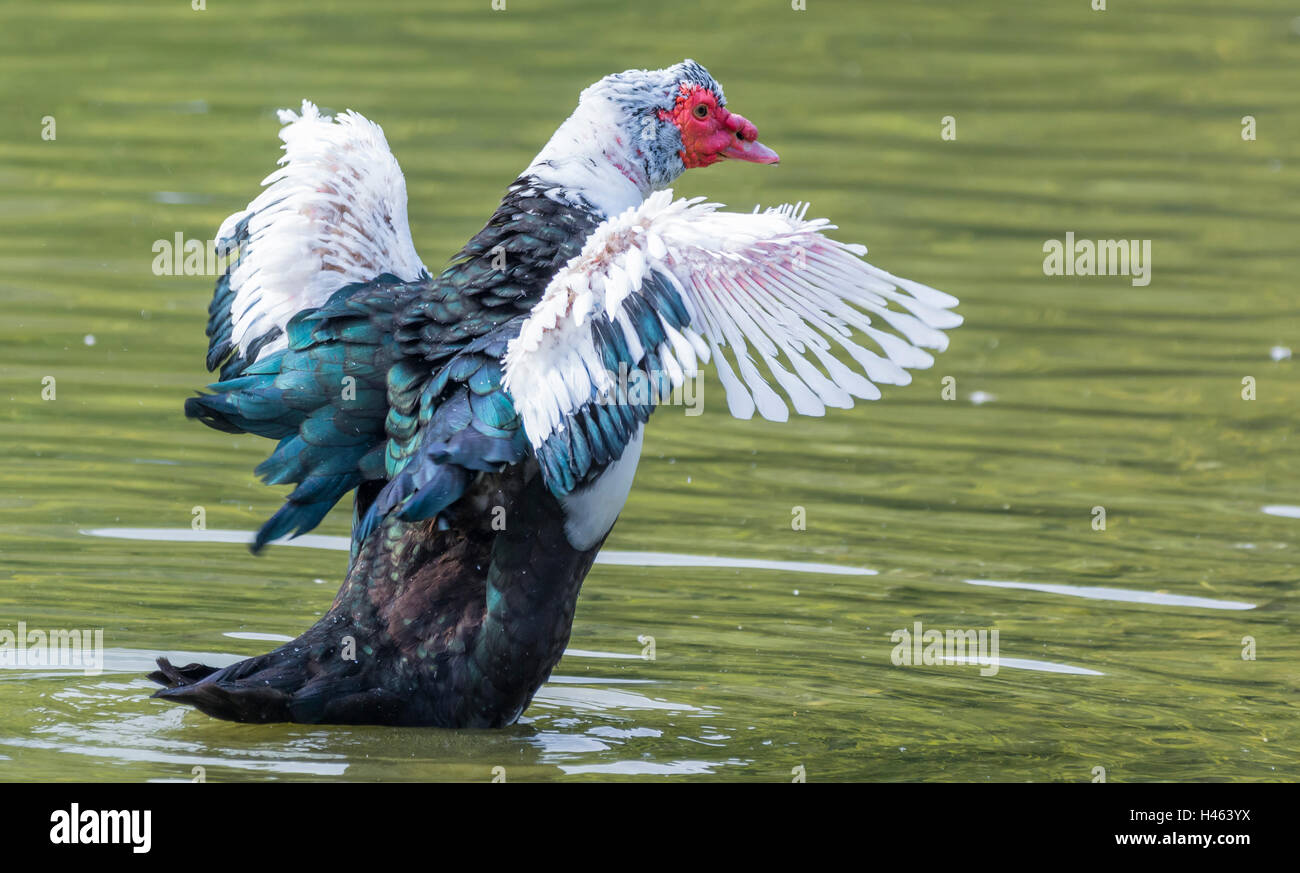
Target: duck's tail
(171, 676)
(220, 699)
(267, 689)
(313, 679)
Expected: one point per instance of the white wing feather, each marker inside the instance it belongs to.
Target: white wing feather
(333, 214)
(764, 285)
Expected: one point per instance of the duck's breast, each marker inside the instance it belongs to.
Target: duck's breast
(591, 511)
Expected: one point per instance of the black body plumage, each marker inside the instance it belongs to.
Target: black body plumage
(461, 587)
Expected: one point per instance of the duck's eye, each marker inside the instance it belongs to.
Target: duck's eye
(701, 111)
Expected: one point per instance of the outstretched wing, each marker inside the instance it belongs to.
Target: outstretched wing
(324, 398)
(669, 284)
(301, 322)
(334, 214)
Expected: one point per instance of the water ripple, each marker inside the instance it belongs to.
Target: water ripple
(1026, 664)
(1282, 510)
(608, 556)
(1127, 595)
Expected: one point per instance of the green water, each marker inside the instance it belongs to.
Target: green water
(1123, 124)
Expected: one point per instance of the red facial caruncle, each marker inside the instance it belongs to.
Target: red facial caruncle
(711, 133)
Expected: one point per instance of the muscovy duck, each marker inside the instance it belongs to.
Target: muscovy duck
(490, 419)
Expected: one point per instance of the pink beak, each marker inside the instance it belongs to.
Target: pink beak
(746, 146)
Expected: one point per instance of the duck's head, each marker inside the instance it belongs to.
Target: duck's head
(678, 118)
(653, 125)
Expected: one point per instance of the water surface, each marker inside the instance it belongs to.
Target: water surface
(1070, 392)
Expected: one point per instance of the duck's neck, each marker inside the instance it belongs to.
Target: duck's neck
(594, 156)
